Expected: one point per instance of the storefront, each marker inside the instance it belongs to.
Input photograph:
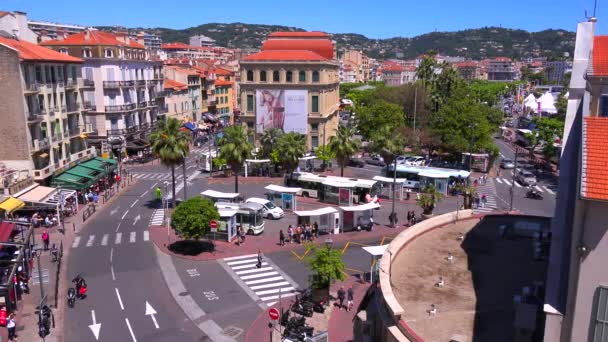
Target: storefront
(86, 174)
(282, 196)
(328, 219)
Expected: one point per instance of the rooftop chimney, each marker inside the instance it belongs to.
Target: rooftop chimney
(87, 35)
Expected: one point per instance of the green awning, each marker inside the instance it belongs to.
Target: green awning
(94, 165)
(82, 171)
(70, 181)
(106, 160)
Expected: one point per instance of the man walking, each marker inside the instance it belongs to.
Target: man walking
(281, 238)
(341, 296)
(259, 264)
(350, 298)
(10, 325)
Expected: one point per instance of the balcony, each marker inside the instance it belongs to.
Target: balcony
(88, 106)
(141, 83)
(111, 84)
(144, 126)
(32, 87)
(75, 107)
(114, 108)
(41, 144)
(142, 104)
(130, 106)
(43, 172)
(152, 103)
(63, 109)
(34, 115)
(57, 137)
(71, 83)
(73, 132)
(86, 83)
(161, 93)
(127, 83)
(115, 132)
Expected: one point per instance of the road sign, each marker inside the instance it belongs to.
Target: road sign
(273, 313)
(213, 225)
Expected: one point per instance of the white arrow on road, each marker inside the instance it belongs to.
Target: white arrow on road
(137, 218)
(95, 327)
(151, 312)
(114, 211)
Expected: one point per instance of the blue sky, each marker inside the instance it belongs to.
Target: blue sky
(375, 19)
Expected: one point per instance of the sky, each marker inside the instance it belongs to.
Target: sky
(374, 19)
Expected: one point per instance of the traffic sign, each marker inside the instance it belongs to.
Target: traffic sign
(273, 313)
(213, 225)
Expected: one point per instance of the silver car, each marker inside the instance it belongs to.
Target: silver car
(506, 163)
(526, 178)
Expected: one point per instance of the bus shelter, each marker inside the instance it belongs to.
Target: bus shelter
(480, 160)
(328, 219)
(440, 178)
(283, 196)
(258, 167)
(351, 215)
(339, 191)
(218, 196)
(386, 189)
(226, 226)
(306, 163)
(376, 253)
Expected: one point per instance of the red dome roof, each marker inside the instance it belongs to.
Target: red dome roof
(322, 47)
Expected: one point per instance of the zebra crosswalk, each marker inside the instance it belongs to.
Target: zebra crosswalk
(509, 182)
(266, 282)
(157, 217)
(489, 190)
(156, 176)
(94, 240)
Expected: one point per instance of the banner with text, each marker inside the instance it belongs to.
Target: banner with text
(284, 109)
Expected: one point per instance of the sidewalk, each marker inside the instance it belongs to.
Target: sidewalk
(25, 316)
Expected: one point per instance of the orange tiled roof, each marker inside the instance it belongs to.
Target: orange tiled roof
(501, 59)
(322, 47)
(175, 45)
(466, 64)
(32, 52)
(222, 83)
(3, 13)
(223, 72)
(171, 84)
(285, 55)
(600, 56)
(315, 34)
(409, 68)
(95, 38)
(594, 182)
(391, 66)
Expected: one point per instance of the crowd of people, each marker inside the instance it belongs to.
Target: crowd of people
(300, 234)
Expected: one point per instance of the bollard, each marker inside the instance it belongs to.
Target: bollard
(73, 226)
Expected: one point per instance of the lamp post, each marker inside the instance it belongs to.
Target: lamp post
(471, 127)
(184, 172)
(329, 243)
(393, 215)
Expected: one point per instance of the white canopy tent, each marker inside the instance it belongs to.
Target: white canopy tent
(530, 101)
(351, 215)
(254, 161)
(286, 197)
(547, 104)
(329, 218)
(376, 253)
(361, 207)
(218, 196)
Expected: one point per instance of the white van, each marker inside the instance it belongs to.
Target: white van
(271, 211)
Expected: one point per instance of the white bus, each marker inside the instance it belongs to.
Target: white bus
(327, 188)
(419, 177)
(248, 215)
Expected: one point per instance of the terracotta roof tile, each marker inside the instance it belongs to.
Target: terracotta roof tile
(299, 34)
(392, 66)
(95, 38)
(222, 83)
(594, 182)
(223, 72)
(176, 45)
(600, 56)
(171, 84)
(285, 55)
(322, 47)
(33, 52)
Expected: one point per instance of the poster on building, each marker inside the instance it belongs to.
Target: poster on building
(284, 109)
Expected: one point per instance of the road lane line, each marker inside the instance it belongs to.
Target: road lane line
(104, 240)
(240, 257)
(119, 299)
(90, 242)
(111, 254)
(517, 184)
(549, 190)
(142, 195)
(132, 205)
(146, 235)
(125, 214)
(259, 287)
(507, 181)
(118, 226)
(130, 330)
(132, 237)
(256, 270)
(538, 188)
(118, 239)
(112, 269)
(76, 242)
(498, 180)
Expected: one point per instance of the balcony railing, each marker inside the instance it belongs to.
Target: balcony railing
(73, 107)
(141, 83)
(63, 109)
(115, 108)
(34, 114)
(41, 144)
(88, 105)
(144, 126)
(130, 106)
(162, 93)
(111, 84)
(115, 132)
(35, 87)
(127, 83)
(57, 136)
(71, 83)
(88, 83)
(152, 103)
(74, 131)
(142, 104)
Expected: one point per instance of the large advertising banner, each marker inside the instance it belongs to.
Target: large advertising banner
(284, 109)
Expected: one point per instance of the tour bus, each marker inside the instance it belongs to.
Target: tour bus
(326, 188)
(420, 177)
(248, 215)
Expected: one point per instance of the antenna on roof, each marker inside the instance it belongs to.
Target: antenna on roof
(592, 18)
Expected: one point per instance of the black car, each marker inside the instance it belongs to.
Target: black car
(356, 162)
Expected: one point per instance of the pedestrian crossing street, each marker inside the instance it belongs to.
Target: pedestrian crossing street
(110, 239)
(509, 182)
(266, 282)
(489, 190)
(156, 176)
(157, 217)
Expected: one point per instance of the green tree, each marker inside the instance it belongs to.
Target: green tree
(325, 264)
(444, 84)
(235, 149)
(269, 140)
(191, 219)
(170, 143)
(426, 71)
(343, 146)
(290, 148)
(429, 199)
(562, 106)
(324, 154)
(389, 142)
(379, 114)
(546, 131)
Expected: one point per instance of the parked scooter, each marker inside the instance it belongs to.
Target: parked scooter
(533, 194)
(71, 297)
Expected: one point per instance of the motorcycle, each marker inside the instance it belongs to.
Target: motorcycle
(71, 297)
(533, 194)
(317, 306)
(302, 308)
(81, 287)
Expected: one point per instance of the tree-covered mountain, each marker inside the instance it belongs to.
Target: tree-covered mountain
(473, 43)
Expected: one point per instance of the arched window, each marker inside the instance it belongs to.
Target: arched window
(276, 76)
(289, 76)
(315, 76)
(263, 76)
(302, 76)
(249, 76)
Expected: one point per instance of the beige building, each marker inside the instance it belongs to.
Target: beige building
(177, 100)
(293, 84)
(42, 109)
(359, 62)
(192, 79)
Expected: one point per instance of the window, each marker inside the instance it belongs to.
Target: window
(315, 103)
(289, 76)
(314, 127)
(38, 74)
(250, 125)
(315, 76)
(226, 99)
(603, 112)
(87, 53)
(249, 76)
(302, 76)
(250, 103)
(600, 328)
(262, 76)
(314, 140)
(276, 76)
(109, 53)
(63, 51)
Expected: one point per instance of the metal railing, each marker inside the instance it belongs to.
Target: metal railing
(114, 108)
(152, 103)
(63, 108)
(88, 105)
(73, 107)
(34, 86)
(142, 104)
(71, 83)
(127, 83)
(111, 84)
(73, 131)
(141, 82)
(88, 83)
(57, 136)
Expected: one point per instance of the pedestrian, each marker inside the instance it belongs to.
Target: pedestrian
(476, 201)
(350, 298)
(242, 232)
(315, 230)
(45, 240)
(281, 238)
(298, 234)
(259, 264)
(484, 199)
(10, 325)
(290, 233)
(341, 296)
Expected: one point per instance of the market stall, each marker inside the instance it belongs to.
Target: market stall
(328, 219)
(258, 168)
(358, 215)
(386, 187)
(282, 196)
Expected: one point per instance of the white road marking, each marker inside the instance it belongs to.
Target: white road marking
(247, 266)
(76, 242)
(281, 290)
(241, 262)
(118, 239)
(146, 235)
(277, 296)
(125, 214)
(119, 299)
(507, 181)
(112, 269)
(258, 287)
(132, 237)
(262, 269)
(111, 254)
(549, 190)
(259, 275)
(498, 180)
(517, 184)
(104, 240)
(90, 242)
(263, 280)
(132, 205)
(130, 330)
(142, 195)
(538, 188)
(151, 312)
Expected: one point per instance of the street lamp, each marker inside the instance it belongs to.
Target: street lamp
(471, 126)
(329, 243)
(184, 171)
(393, 215)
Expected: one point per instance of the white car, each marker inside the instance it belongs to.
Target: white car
(271, 211)
(415, 161)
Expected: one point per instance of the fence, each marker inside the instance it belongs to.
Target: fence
(86, 213)
(58, 271)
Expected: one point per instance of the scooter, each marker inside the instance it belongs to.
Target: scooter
(534, 195)
(71, 297)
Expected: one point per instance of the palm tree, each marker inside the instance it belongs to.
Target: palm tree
(426, 70)
(389, 142)
(170, 143)
(429, 199)
(269, 140)
(235, 149)
(290, 147)
(343, 146)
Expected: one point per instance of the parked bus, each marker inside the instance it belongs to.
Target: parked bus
(249, 216)
(419, 177)
(326, 188)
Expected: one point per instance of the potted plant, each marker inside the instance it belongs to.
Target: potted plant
(428, 200)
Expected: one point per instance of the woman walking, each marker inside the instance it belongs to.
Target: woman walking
(281, 238)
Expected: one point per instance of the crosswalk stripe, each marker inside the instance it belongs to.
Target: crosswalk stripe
(247, 266)
(258, 287)
(507, 181)
(256, 270)
(277, 296)
(549, 190)
(90, 241)
(538, 188)
(259, 275)
(76, 242)
(118, 239)
(132, 237)
(498, 180)
(104, 240)
(146, 235)
(265, 280)
(240, 257)
(517, 184)
(241, 262)
(282, 290)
